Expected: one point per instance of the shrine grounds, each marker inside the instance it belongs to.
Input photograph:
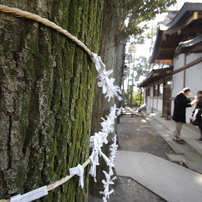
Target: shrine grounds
(137, 135)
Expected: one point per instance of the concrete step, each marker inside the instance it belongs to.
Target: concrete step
(172, 182)
(192, 150)
(195, 145)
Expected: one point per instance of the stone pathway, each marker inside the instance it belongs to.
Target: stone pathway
(169, 180)
(172, 182)
(192, 150)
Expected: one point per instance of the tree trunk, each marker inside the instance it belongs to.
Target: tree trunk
(101, 107)
(120, 71)
(46, 96)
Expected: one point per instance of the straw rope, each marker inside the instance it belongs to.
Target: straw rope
(20, 13)
(64, 179)
(57, 183)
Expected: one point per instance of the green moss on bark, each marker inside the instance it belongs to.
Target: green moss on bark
(47, 89)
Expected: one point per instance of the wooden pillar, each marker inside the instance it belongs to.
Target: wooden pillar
(184, 75)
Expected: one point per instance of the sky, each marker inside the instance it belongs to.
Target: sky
(143, 50)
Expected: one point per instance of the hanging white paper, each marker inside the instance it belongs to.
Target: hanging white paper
(79, 171)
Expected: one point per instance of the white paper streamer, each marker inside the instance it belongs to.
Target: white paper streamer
(97, 61)
(97, 142)
(30, 196)
(113, 149)
(107, 192)
(106, 184)
(79, 171)
(108, 124)
(105, 82)
(94, 163)
(110, 90)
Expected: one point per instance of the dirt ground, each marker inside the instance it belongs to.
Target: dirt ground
(136, 134)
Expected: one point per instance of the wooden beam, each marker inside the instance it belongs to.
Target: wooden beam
(194, 16)
(199, 14)
(156, 74)
(188, 30)
(188, 65)
(177, 28)
(163, 61)
(167, 48)
(165, 56)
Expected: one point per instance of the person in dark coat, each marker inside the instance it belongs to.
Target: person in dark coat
(179, 114)
(197, 114)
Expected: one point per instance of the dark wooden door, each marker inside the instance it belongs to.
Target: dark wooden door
(166, 101)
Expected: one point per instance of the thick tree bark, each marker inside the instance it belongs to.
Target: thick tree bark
(108, 52)
(120, 70)
(46, 96)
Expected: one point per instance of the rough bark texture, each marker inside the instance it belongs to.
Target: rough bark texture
(108, 53)
(46, 96)
(120, 70)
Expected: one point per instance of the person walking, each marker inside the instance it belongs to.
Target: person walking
(179, 114)
(197, 113)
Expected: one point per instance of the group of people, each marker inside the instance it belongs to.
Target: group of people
(179, 114)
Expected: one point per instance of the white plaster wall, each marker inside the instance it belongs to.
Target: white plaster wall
(144, 91)
(172, 107)
(152, 104)
(160, 104)
(177, 83)
(178, 61)
(194, 82)
(151, 91)
(155, 102)
(192, 56)
(194, 78)
(148, 107)
(150, 101)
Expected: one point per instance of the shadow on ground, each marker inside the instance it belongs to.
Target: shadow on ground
(128, 190)
(136, 134)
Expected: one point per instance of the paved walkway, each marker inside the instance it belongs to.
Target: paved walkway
(192, 150)
(167, 179)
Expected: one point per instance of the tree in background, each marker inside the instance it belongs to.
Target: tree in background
(135, 31)
(137, 99)
(136, 68)
(138, 13)
(114, 36)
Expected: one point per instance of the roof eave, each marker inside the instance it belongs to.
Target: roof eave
(156, 73)
(186, 44)
(156, 46)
